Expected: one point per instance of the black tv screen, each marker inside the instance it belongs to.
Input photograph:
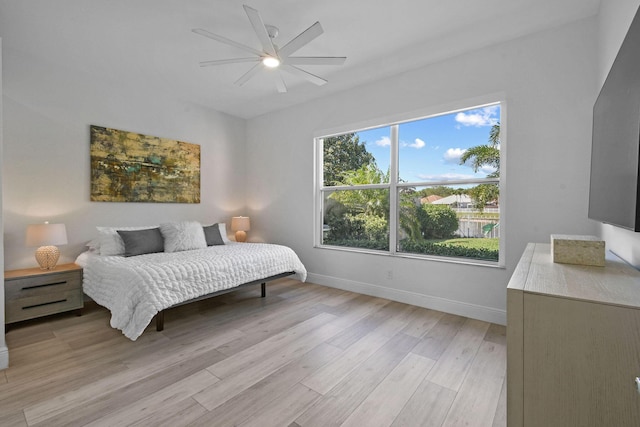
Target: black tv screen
(613, 192)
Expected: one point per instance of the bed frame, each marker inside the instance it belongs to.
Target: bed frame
(263, 285)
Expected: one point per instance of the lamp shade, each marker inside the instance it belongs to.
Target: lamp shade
(240, 223)
(46, 234)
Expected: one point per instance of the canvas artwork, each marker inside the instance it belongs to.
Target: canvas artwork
(130, 167)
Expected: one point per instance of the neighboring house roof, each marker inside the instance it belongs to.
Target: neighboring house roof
(430, 199)
(450, 200)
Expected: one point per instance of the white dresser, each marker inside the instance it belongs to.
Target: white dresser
(573, 343)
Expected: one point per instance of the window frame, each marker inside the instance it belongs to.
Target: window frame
(394, 184)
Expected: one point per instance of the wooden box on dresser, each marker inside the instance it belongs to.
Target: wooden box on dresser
(573, 343)
(33, 292)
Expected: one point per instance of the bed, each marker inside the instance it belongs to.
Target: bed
(137, 288)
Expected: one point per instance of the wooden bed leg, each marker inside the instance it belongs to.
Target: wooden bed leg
(264, 289)
(160, 321)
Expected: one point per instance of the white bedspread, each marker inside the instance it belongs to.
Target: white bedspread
(136, 288)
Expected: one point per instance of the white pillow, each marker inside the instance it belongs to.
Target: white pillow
(223, 232)
(183, 236)
(110, 241)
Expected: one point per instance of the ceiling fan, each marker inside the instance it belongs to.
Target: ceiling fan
(271, 56)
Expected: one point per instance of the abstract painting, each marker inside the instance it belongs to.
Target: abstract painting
(131, 167)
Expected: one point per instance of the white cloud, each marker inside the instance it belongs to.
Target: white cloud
(487, 169)
(418, 144)
(445, 177)
(482, 117)
(385, 141)
(452, 155)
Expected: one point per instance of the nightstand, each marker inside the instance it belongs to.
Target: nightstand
(32, 292)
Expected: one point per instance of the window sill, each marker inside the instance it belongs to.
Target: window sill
(471, 262)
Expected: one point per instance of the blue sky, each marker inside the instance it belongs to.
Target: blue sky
(430, 149)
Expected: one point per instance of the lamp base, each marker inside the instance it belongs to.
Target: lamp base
(241, 236)
(47, 257)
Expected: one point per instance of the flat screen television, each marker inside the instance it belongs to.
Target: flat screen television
(614, 185)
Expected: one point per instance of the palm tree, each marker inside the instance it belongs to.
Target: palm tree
(485, 155)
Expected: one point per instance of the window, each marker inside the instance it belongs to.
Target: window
(427, 187)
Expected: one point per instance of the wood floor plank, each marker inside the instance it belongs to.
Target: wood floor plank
(173, 414)
(261, 365)
(140, 409)
(453, 365)
(274, 343)
(283, 411)
(267, 327)
(428, 407)
(500, 418)
(272, 388)
(334, 372)
(139, 369)
(422, 321)
(116, 398)
(478, 397)
(436, 341)
(334, 407)
(13, 419)
(384, 403)
(277, 359)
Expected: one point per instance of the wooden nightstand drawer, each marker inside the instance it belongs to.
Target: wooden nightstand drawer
(33, 293)
(41, 285)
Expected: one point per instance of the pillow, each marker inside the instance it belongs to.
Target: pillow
(212, 235)
(223, 232)
(183, 236)
(140, 242)
(110, 241)
(94, 245)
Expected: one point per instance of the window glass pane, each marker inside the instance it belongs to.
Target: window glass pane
(357, 158)
(433, 149)
(451, 221)
(356, 218)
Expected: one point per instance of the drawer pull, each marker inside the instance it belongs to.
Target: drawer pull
(44, 303)
(45, 285)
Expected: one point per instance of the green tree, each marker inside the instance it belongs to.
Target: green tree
(360, 217)
(485, 155)
(342, 154)
(437, 221)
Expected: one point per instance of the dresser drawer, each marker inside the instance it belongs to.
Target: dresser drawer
(32, 293)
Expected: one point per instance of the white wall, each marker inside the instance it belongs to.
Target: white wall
(549, 82)
(613, 23)
(47, 112)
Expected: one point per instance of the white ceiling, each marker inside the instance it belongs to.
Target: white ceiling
(149, 42)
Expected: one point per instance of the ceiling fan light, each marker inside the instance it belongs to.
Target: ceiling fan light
(270, 62)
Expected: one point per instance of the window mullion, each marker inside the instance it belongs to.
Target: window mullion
(393, 192)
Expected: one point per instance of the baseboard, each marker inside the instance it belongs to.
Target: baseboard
(4, 358)
(474, 311)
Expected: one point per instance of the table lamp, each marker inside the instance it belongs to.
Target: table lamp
(46, 236)
(240, 224)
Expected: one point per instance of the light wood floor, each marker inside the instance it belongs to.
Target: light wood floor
(305, 355)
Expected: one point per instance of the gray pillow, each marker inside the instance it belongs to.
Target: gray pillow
(140, 242)
(212, 235)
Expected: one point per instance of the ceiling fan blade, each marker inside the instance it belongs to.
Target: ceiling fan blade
(216, 37)
(302, 39)
(304, 74)
(280, 85)
(246, 76)
(315, 60)
(260, 29)
(227, 61)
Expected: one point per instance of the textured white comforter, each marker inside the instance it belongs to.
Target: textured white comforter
(136, 288)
